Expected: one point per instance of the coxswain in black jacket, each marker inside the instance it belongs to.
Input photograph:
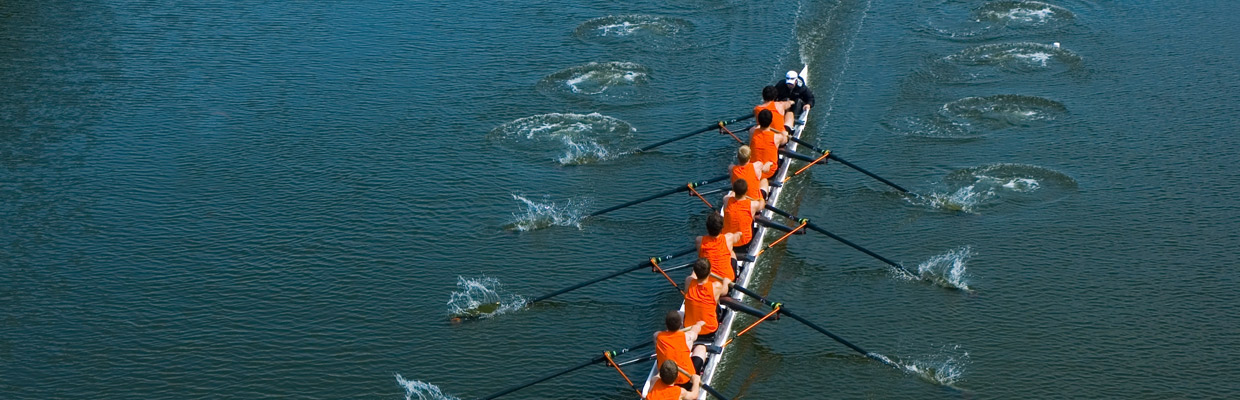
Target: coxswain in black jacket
(793, 88)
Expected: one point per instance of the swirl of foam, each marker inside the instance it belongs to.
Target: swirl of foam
(655, 32)
(1021, 12)
(1000, 111)
(1017, 57)
(973, 117)
(568, 138)
(614, 82)
(970, 189)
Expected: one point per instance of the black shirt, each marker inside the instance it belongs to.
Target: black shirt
(799, 92)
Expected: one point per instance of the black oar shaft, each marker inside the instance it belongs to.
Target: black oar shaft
(544, 378)
(547, 377)
(687, 135)
(814, 227)
(713, 392)
(835, 157)
(643, 264)
(784, 310)
(862, 170)
(682, 188)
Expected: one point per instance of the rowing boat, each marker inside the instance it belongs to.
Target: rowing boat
(746, 269)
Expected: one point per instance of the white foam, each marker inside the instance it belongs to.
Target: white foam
(545, 213)
(422, 390)
(948, 269)
(474, 292)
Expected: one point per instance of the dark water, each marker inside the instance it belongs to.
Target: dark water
(254, 199)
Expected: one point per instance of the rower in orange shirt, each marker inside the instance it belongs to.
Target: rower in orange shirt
(666, 389)
(702, 298)
(716, 247)
(739, 209)
(674, 344)
(750, 172)
(765, 142)
(778, 109)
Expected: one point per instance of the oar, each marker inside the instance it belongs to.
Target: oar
(592, 361)
(643, 264)
(836, 157)
(684, 136)
(783, 309)
(679, 189)
(819, 229)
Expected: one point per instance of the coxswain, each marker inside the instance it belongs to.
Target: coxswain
(739, 209)
(794, 89)
(751, 172)
(675, 342)
(716, 247)
(702, 293)
(666, 389)
(764, 143)
(777, 108)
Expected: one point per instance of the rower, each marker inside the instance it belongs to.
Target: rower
(716, 248)
(765, 142)
(674, 343)
(702, 291)
(751, 171)
(666, 389)
(797, 92)
(777, 108)
(738, 212)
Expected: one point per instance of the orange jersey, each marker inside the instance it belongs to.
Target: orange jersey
(672, 345)
(777, 115)
(663, 391)
(747, 173)
(764, 149)
(715, 249)
(738, 217)
(700, 306)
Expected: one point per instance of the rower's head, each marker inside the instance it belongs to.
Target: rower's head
(790, 78)
(739, 188)
(701, 269)
(769, 93)
(742, 155)
(673, 320)
(714, 224)
(668, 372)
(764, 118)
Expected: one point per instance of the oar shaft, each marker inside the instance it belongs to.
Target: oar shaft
(819, 229)
(544, 378)
(687, 135)
(835, 157)
(682, 188)
(641, 265)
(713, 392)
(783, 309)
(594, 360)
(862, 170)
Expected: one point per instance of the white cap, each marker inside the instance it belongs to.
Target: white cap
(792, 77)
